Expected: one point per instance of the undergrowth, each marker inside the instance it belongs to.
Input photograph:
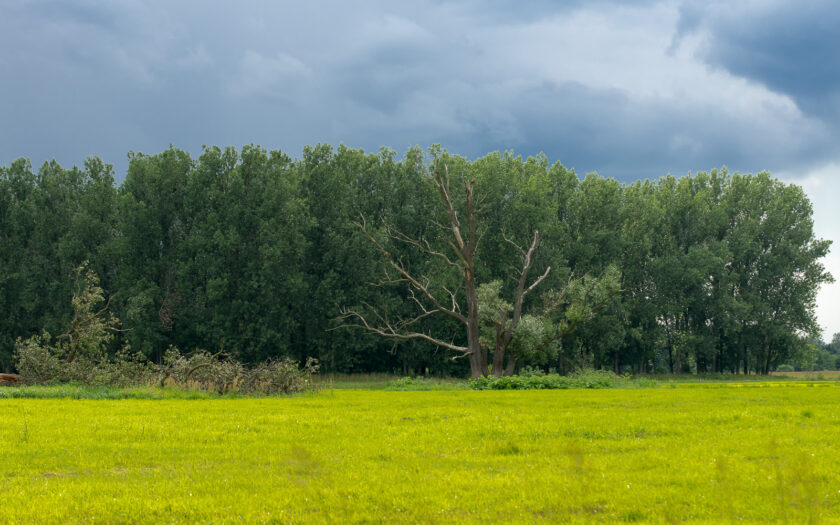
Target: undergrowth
(424, 383)
(536, 380)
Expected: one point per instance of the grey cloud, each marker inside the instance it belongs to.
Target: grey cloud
(791, 47)
(102, 78)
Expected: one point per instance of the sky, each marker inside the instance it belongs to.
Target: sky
(627, 89)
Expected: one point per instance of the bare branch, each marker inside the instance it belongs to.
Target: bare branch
(422, 245)
(455, 225)
(473, 239)
(457, 251)
(536, 283)
(394, 331)
(419, 287)
(510, 241)
(455, 306)
(521, 291)
(407, 277)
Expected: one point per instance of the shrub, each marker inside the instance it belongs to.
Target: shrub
(588, 378)
(78, 356)
(540, 381)
(280, 376)
(35, 362)
(221, 374)
(38, 362)
(130, 369)
(411, 383)
(201, 370)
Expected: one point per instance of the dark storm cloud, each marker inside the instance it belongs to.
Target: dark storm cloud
(629, 89)
(791, 47)
(605, 86)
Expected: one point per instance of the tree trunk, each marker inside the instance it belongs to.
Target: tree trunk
(511, 366)
(671, 358)
(505, 329)
(670, 352)
(478, 355)
(501, 347)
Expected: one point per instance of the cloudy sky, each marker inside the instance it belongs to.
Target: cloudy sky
(627, 89)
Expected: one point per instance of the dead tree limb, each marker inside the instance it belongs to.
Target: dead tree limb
(462, 240)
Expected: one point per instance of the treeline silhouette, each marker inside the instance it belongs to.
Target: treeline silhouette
(255, 253)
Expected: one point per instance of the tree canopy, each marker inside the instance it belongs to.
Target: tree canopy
(259, 253)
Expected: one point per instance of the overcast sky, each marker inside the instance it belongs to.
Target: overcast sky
(626, 89)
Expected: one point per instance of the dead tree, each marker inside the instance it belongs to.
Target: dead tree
(463, 245)
(506, 327)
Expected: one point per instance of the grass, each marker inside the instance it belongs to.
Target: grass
(705, 452)
(395, 382)
(74, 391)
(386, 382)
(815, 375)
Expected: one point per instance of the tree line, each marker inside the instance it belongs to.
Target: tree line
(262, 255)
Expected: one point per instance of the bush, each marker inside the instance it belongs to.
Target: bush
(130, 369)
(785, 368)
(588, 378)
(403, 383)
(78, 356)
(280, 376)
(201, 370)
(540, 381)
(38, 362)
(411, 383)
(221, 374)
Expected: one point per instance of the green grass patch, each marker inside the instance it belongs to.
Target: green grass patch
(582, 379)
(756, 453)
(387, 382)
(540, 381)
(76, 391)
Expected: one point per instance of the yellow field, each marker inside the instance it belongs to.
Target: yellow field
(751, 452)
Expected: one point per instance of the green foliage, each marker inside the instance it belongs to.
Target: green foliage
(80, 358)
(535, 339)
(253, 252)
(78, 355)
(423, 383)
(81, 391)
(91, 327)
(537, 335)
(220, 374)
(37, 361)
(405, 383)
(40, 363)
(537, 381)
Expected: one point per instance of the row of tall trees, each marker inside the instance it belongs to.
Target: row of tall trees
(259, 254)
